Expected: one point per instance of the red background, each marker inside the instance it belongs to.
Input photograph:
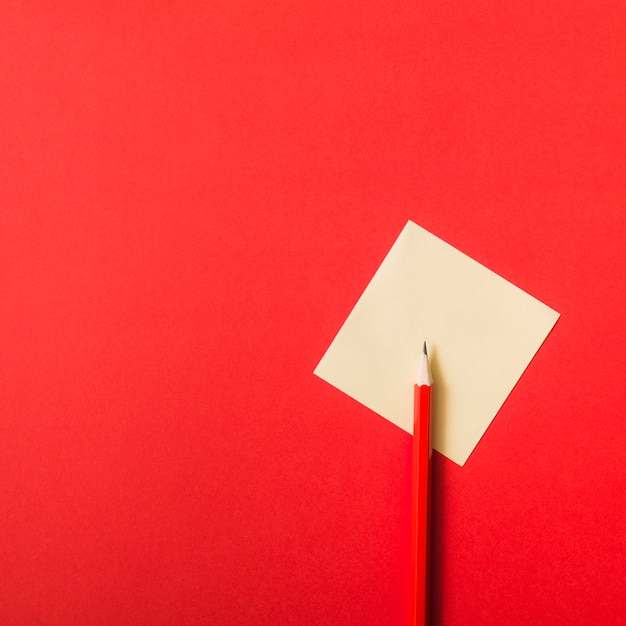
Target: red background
(192, 197)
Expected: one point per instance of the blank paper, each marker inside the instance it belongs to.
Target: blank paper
(481, 330)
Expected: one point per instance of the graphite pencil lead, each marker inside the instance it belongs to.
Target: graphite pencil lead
(424, 349)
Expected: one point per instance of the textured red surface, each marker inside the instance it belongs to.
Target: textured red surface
(192, 197)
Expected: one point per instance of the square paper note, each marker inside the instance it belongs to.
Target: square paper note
(481, 332)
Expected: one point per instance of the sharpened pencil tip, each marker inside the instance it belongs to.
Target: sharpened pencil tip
(423, 370)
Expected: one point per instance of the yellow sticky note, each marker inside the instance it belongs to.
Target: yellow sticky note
(482, 332)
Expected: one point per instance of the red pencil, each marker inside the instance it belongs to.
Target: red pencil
(420, 513)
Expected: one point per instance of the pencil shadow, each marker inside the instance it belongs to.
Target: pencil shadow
(438, 487)
(440, 395)
(437, 538)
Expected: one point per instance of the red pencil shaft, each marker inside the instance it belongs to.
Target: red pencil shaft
(420, 526)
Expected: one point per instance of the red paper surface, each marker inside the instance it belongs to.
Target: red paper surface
(192, 198)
